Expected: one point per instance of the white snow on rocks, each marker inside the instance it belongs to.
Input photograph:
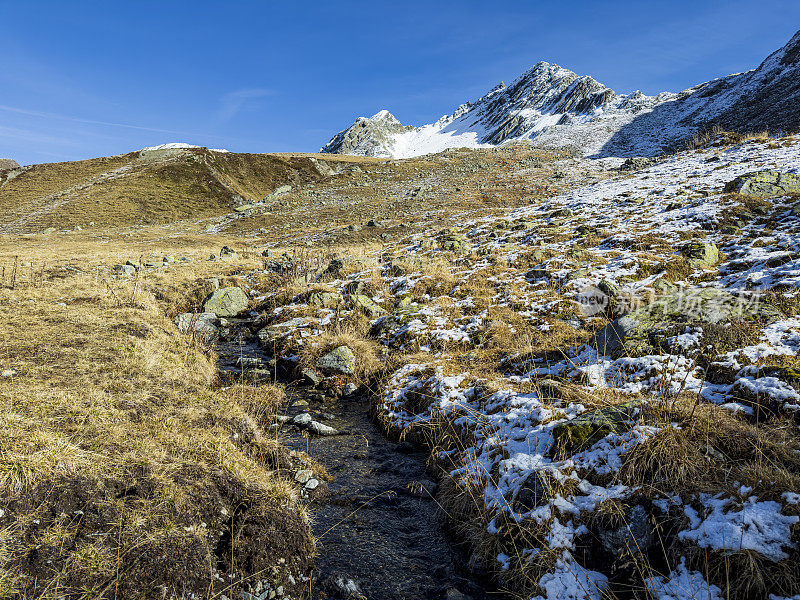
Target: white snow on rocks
(757, 526)
(682, 584)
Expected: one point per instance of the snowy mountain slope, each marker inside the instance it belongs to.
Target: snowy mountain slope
(557, 108)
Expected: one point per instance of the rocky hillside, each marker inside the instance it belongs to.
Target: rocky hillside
(607, 378)
(7, 164)
(557, 108)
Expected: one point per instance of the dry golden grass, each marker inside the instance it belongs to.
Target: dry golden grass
(123, 471)
(127, 189)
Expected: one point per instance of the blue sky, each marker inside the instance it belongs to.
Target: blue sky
(85, 79)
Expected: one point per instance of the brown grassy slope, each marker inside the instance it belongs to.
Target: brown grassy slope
(129, 189)
(21, 192)
(123, 473)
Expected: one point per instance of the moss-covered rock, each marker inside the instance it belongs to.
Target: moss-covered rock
(701, 254)
(340, 360)
(586, 429)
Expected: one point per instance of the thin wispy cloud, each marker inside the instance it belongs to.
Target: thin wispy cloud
(49, 115)
(233, 102)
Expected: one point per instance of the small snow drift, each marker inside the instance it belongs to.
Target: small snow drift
(556, 108)
(178, 146)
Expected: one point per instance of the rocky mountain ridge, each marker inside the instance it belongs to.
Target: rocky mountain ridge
(556, 108)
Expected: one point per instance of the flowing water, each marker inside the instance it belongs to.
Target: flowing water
(380, 532)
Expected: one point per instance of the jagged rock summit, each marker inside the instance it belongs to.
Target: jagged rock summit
(556, 108)
(368, 136)
(7, 164)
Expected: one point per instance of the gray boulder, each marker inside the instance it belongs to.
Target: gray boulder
(125, 270)
(203, 323)
(226, 302)
(630, 334)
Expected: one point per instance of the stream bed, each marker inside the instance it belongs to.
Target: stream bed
(379, 531)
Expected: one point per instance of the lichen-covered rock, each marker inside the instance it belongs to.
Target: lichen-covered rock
(454, 243)
(365, 303)
(584, 430)
(226, 302)
(765, 184)
(633, 334)
(701, 254)
(340, 360)
(325, 299)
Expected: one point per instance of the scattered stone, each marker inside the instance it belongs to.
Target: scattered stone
(312, 484)
(633, 537)
(226, 302)
(349, 389)
(285, 264)
(203, 323)
(533, 492)
(318, 428)
(303, 475)
(454, 594)
(637, 163)
(310, 377)
(338, 266)
(125, 270)
(365, 303)
(325, 299)
(8, 373)
(227, 253)
(354, 287)
(302, 420)
(341, 586)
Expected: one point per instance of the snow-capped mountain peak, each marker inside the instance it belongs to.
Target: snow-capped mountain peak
(554, 107)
